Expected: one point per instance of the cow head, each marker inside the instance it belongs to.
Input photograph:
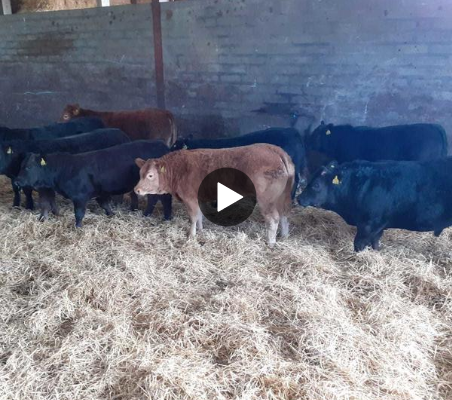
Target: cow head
(182, 143)
(33, 171)
(319, 189)
(70, 111)
(151, 177)
(6, 156)
(319, 138)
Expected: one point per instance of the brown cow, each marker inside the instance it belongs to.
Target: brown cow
(150, 123)
(180, 173)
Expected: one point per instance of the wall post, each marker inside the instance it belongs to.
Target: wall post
(158, 53)
(6, 6)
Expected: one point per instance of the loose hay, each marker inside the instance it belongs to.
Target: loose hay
(127, 309)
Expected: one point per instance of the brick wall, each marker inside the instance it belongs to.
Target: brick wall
(363, 62)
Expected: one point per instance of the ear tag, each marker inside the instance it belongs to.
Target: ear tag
(43, 162)
(9, 151)
(185, 147)
(328, 132)
(336, 181)
(162, 170)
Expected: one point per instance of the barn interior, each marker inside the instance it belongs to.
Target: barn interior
(127, 308)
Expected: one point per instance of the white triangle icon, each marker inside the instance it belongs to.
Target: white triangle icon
(226, 197)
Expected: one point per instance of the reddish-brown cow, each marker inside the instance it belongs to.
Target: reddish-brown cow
(150, 123)
(181, 173)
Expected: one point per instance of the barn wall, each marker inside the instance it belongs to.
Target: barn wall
(373, 63)
(102, 58)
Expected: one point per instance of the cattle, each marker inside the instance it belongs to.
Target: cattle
(97, 174)
(374, 196)
(54, 131)
(288, 139)
(180, 173)
(147, 124)
(12, 154)
(345, 143)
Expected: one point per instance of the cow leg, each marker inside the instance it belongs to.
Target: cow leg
(47, 203)
(117, 200)
(363, 237)
(199, 221)
(376, 240)
(16, 190)
(152, 201)
(194, 213)
(53, 204)
(133, 201)
(272, 221)
(284, 227)
(44, 205)
(437, 232)
(79, 210)
(167, 202)
(105, 203)
(29, 205)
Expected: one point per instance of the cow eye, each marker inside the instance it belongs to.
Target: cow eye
(66, 116)
(150, 176)
(316, 186)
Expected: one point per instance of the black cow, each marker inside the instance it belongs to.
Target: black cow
(345, 143)
(410, 195)
(97, 174)
(288, 139)
(54, 131)
(12, 153)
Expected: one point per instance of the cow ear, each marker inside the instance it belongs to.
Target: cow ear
(140, 162)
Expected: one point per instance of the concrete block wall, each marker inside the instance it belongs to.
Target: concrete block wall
(99, 57)
(354, 61)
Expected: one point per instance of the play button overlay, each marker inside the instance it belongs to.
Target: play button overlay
(227, 197)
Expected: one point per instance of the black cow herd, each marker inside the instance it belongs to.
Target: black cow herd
(374, 178)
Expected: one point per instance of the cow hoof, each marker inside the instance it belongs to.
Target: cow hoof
(271, 244)
(42, 218)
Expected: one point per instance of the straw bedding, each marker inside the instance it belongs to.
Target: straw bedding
(127, 309)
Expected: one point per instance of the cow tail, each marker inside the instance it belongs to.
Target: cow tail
(290, 171)
(173, 128)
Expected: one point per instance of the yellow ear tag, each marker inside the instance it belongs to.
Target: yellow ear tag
(43, 162)
(336, 181)
(162, 170)
(9, 151)
(328, 132)
(185, 147)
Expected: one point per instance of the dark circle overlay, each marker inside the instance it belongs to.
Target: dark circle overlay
(238, 182)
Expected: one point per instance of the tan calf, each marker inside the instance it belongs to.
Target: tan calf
(180, 173)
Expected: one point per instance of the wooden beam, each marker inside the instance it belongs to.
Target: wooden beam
(158, 53)
(103, 3)
(6, 6)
